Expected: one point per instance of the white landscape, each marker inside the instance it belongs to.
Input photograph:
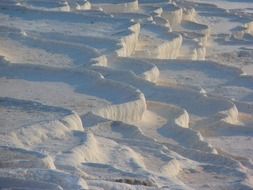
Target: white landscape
(126, 94)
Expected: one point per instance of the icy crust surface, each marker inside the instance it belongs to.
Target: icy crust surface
(126, 94)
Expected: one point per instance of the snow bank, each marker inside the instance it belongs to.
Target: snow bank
(72, 54)
(128, 112)
(72, 122)
(116, 6)
(177, 127)
(162, 21)
(163, 45)
(100, 60)
(143, 69)
(129, 103)
(126, 102)
(83, 5)
(29, 136)
(190, 138)
(193, 50)
(185, 103)
(172, 169)
(21, 158)
(88, 151)
(231, 115)
(170, 50)
(95, 149)
(196, 27)
(151, 75)
(183, 119)
(129, 41)
(62, 179)
(199, 53)
(189, 14)
(173, 14)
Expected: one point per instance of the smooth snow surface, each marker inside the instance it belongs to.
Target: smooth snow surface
(126, 94)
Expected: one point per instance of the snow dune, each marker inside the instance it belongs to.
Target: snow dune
(126, 94)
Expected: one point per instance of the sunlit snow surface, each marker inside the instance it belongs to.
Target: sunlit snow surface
(129, 94)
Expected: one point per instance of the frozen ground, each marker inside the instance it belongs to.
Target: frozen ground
(126, 94)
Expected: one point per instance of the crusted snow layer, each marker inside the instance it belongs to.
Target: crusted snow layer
(183, 120)
(170, 50)
(38, 133)
(127, 103)
(129, 41)
(63, 180)
(199, 53)
(173, 14)
(151, 75)
(116, 6)
(129, 111)
(189, 14)
(89, 151)
(231, 115)
(21, 158)
(162, 45)
(139, 120)
(143, 69)
(93, 150)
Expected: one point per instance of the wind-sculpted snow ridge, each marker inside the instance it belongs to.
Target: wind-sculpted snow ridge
(173, 14)
(157, 42)
(127, 103)
(116, 5)
(145, 70)
(126, 94)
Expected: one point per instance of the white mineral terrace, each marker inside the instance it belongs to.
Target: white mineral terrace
(126, 94)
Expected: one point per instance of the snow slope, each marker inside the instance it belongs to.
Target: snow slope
(126, 94)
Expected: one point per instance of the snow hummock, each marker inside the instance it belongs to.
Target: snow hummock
(126, 94)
